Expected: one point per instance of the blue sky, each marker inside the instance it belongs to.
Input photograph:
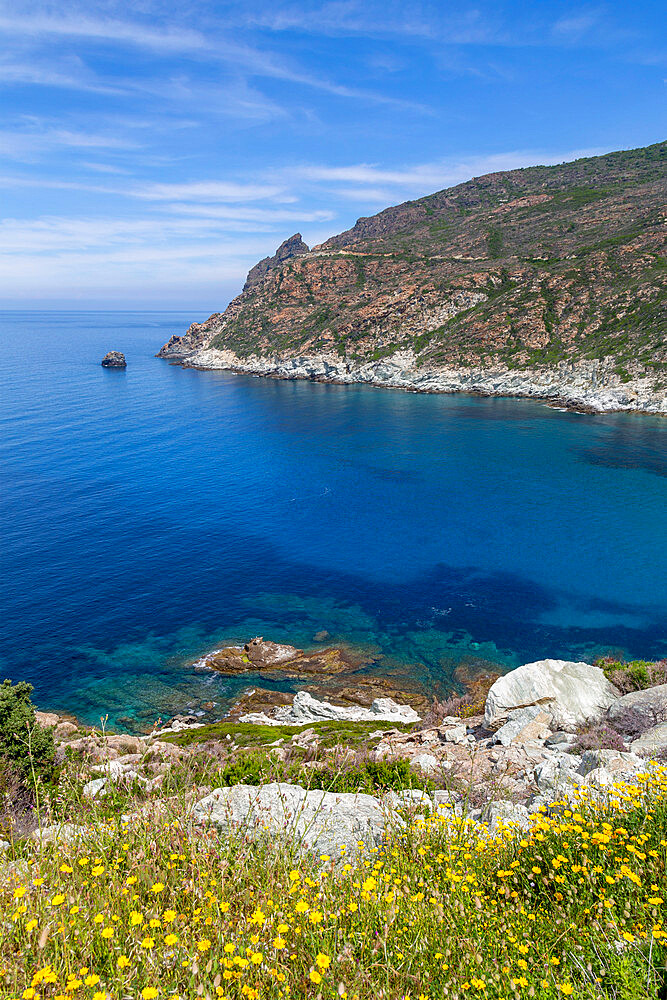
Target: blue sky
(152, 152)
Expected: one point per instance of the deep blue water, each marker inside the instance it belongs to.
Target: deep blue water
(149, 514)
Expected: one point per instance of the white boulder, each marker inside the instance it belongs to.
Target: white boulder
(314, 821)
(306, 709)
(572, 694)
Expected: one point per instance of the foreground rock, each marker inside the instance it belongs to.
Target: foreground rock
(653, 741)
(306, 709)
(114, 359)
(571, 694)
(640, 710)
(315, 821)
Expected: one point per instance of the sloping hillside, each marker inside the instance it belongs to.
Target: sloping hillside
(525, 268)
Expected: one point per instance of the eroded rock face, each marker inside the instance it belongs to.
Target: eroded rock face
(572, 694)
(114, 359)
(315, 821)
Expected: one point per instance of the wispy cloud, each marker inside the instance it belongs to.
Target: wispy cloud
(216, 46)
(425, 178)
(104, 30)
(24, 143)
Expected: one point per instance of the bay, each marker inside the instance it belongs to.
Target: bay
(152, 513)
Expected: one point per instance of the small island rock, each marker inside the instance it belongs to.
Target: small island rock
(114, 359)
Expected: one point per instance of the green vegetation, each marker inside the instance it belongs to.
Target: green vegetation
(635, 675)
(246, 734)
(580, 274)
(26, 746)
(494, 242)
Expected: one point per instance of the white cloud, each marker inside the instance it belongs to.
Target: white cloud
(424, 178)
(206, 191)
(178, 39)
(20, 143)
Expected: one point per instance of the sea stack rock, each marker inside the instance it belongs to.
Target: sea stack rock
(114, 359)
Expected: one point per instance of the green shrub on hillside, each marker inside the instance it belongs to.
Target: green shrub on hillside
(26, 745)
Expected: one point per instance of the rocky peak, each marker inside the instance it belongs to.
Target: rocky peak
(293, 247)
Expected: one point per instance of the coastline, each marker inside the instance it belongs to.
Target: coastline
(585, 386)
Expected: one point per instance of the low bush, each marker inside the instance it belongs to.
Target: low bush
(28, 747)
(634, 675)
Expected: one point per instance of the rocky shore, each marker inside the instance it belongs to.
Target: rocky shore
(550, 733)
(589, 386)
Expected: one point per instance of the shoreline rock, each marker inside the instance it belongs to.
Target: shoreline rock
(306, 709)
(585, 386)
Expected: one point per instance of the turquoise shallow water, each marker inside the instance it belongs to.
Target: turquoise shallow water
(151, 514)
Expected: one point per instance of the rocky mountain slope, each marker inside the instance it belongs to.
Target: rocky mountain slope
(545, 281)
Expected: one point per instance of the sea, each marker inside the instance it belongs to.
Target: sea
(151, 514)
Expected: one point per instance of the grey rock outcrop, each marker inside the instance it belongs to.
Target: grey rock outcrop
(312, 821)
(292, 247)
(524, 725)
(652, 741)
(306, 709)
(589, 385)
(114, 359)
(640, 710)
(572, 694)
(504, 813)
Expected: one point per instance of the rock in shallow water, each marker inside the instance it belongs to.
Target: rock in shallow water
(114, 359)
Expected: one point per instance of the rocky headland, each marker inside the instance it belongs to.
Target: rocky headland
(547, 282)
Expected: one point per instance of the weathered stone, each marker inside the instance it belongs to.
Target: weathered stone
(560, 740)
(426, 762)
(504, 813)
(114, 359)
(47, 719)
(305, 709)
(410, 799)
(313, 821)
(456, 734)
(640, 710)
(615, 761)
(65, 729)
(571, 693)
(652, 741)
(552, 775)
(92, 789)
(67, 833)
(524, 725)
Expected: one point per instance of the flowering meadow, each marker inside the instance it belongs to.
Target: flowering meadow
(575, 907)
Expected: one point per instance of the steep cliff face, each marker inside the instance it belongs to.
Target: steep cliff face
(520, 270)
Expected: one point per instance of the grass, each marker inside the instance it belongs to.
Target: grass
(155, 910)
(247, 734)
